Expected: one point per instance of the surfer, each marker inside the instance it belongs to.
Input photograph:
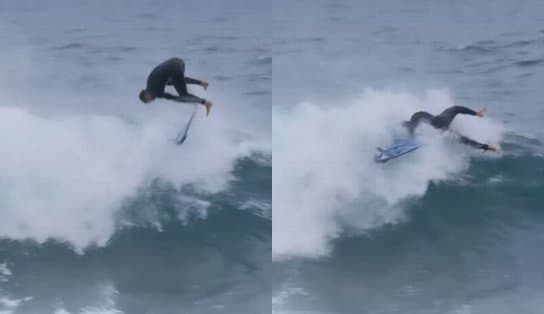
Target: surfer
(443, 121)
(172, 72)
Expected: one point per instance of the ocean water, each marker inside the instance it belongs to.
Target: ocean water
(445, 229)
(99, 211)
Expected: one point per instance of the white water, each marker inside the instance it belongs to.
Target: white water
(324, 176)
(107, 303)
(65, 177)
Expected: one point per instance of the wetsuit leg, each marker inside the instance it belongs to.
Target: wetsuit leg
(416, 118)
(444, 119)
(421, 116)
(180, 84)
(178, 79)
(470, 142)
(188, 80)
(184, 95)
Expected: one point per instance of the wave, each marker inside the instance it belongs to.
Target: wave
(164, 233)
(324, 176)
(66, 177)
(489, 220)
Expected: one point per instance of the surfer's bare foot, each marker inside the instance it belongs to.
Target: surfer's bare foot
(481, 113)
(205, 85)
(208, 104)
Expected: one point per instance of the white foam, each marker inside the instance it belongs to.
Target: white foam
(8, 306)
(64, 177)
(324, 176)
(5, 272)
(107, 306)
(286, 293)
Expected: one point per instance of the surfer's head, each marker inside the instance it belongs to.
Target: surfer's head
(146, 96)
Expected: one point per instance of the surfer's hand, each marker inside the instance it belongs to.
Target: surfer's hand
(495, 149)
(481, 113)
(205, 84)
(208, 104)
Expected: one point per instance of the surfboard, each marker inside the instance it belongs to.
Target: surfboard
(182, 135)
(398, 148)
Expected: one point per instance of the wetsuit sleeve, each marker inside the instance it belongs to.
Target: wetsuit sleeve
(464, 110)
(190, 80)
(167, 96)
(467, 141)
(190, 98)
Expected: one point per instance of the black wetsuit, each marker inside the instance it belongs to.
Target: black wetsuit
(443, 121)
(172, 72)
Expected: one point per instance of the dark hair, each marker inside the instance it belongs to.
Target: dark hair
(142, 95)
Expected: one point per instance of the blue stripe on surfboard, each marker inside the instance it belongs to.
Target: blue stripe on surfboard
(398, 148)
